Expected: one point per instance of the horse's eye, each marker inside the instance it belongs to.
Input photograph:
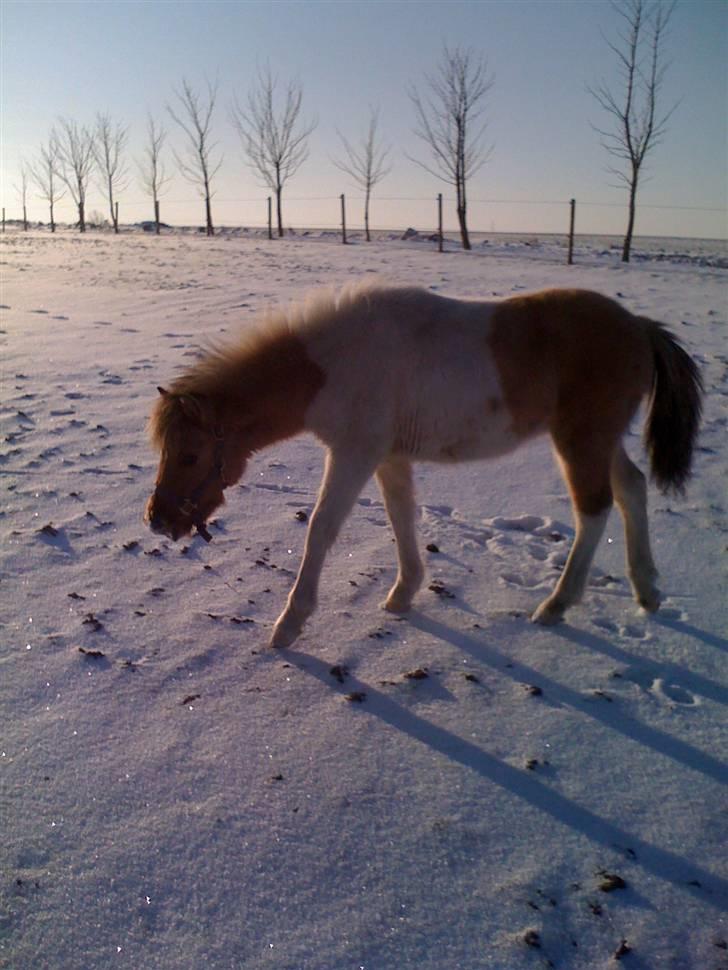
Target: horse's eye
(187, 461)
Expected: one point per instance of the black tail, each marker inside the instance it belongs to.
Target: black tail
(674, 411)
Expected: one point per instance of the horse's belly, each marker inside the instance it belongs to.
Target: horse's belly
(464, 441)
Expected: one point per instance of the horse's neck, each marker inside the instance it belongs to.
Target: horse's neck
(277, 383)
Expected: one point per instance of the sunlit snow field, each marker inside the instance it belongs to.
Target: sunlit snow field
(455, 790)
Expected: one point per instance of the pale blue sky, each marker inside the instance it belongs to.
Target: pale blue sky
(75, 59)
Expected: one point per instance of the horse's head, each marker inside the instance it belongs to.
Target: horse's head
(199, 459)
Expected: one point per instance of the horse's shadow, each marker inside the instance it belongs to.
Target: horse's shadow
(662, 863)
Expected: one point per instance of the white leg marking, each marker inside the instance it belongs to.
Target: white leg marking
(630, 493)
(569, 589)
(395, 481)
(344, 478)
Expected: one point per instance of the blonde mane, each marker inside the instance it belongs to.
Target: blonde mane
(240, 372)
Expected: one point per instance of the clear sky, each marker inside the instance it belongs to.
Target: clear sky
(75, 59)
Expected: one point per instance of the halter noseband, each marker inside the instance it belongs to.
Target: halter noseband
(187, 505)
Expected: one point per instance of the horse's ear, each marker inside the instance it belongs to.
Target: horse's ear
(193, 408)
(163, 391)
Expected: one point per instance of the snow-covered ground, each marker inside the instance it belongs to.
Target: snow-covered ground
(456, 790)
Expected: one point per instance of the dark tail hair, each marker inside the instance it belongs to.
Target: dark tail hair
(674, 411)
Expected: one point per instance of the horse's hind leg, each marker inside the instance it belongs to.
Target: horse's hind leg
(586, 466)
(395, 481)
(630, 493)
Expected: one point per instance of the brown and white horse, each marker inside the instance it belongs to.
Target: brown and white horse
(385, 376)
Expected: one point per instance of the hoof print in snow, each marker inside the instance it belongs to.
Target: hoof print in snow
(532, 938)
(533, 691)
(301, 516)
(355, 697)
(92, 654)
(131, 545)
(431, 547)
(420, 673)
(49, 530)
(189, 699)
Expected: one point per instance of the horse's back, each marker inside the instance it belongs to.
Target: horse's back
(447, 379)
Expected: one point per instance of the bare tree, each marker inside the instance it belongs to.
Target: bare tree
(637, 127)
(22, 190)
(365, 164)
(447, 122)
(151, 167)
(44, 173)
(272, 136)
(75, 160)
(197, 165)
(109, 143)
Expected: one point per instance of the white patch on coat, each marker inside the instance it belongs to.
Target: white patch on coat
(408, 373)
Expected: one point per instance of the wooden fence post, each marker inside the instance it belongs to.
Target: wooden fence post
(270, 217)
(439, 222)
(572, 206)
(343, 219)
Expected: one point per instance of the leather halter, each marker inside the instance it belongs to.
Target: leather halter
(187, 504)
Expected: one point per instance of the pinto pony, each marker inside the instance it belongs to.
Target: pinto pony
(385, 376)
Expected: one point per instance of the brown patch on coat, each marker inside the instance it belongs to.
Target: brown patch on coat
(233, 402)
(262, 386)
(576, 364)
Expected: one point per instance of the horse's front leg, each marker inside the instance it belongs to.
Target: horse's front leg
(344, 477)
(395, 481)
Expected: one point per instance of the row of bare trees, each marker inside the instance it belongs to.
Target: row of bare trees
(274, 136)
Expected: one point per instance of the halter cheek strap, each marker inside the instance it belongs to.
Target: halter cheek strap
(187, 504)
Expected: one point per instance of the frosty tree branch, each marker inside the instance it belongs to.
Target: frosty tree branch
(197, 164)
(448, 124)
(636, 127)
(273, 136)
(366, 164)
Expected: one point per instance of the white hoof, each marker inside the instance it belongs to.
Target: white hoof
(286, 631)
(548, 613)
(397, 602)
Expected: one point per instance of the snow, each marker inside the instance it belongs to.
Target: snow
(449, 790)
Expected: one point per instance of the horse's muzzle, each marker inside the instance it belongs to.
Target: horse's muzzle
(161, 526)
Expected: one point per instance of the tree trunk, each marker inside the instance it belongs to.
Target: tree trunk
(279, 211)
(114, 222)
(210, 229)
(461, 209)
(81, 217)
(627, 245)
(366, 215)
(53, 224)
(464, 236)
